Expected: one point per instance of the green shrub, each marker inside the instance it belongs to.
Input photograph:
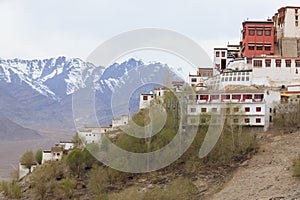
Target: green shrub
(11, 190)
(297, 168)
(67, 186)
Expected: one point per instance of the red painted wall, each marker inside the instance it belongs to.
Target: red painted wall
(258, 39)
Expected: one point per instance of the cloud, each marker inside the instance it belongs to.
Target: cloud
(36, 29)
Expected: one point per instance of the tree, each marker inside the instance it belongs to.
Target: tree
(39, 156)
(67, 186)
(28, 160)
(98, 180)
(76, 162)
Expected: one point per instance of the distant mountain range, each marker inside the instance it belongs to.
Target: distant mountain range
(10, 131)
(38, 93)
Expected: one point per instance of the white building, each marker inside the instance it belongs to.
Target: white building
(93, 134)
(66, 145)
(117, 122)
(223, 56)
(202, 75)
(23, 170)
(145, 100)
(251, 108)
(55, 154)
(288, 31)
(275, 71)
(177, 86)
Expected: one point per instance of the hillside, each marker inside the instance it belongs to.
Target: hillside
(268, 175)
(11, 131)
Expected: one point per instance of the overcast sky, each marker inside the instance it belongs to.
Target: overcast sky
(42, 29)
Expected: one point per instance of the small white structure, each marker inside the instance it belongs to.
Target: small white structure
(145, 100)
(93, 134)
(67, 146)
(177, 86)
(23, 170)
(117, 122)
(223, 56)
(202, 75)
(55, 154)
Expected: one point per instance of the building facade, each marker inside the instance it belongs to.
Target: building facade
(258, 38)
(247, 108)
(288, 31)
(145, 100)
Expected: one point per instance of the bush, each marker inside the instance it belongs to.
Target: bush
(98, 180)
(11, 190)
(67, 187)
(44, 178)
(39, 156)
(297, 168)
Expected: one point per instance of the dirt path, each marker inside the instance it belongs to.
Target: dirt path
(268, 175)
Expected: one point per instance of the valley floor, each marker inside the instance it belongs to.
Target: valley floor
(268, 175)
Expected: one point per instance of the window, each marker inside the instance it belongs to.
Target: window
(296, 23)
(258, 120)
(297, 63)
(247, 109)
(145, 98)
(223, 53)
(227, 111)
(203, 97)
(214, 97)
(296, 17)
(251, 47)
(235, 120)
(258, 96)
(225, 96)
(278, 63)
(194, 80)
(267, 48)
(247, 96)
(193, 110)
(268, 62)
(214, 110)
(259, 32)
(296, 11)
(258, 109)
(236, 109)
(203, 110)
(236, 96)
(267, 32)
(288, 63)
(247, 120)
(217, 53)
(257, 63)
(251, 32)
(249, 60)
(259, 47)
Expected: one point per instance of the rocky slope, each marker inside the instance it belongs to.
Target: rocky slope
(268, 175)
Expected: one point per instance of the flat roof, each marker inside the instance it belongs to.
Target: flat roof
(258, 22)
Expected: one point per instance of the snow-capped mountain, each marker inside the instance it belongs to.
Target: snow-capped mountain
(38, 93)
(54, 77)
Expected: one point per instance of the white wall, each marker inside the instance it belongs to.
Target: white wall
(117, 122)
(275, 76)
(290, 30)
(47, 156)
(145, 103)
(23, 171)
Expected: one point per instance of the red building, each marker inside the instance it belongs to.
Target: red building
(258, 38)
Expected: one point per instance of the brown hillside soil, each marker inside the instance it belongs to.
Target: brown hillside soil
(268, 175)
